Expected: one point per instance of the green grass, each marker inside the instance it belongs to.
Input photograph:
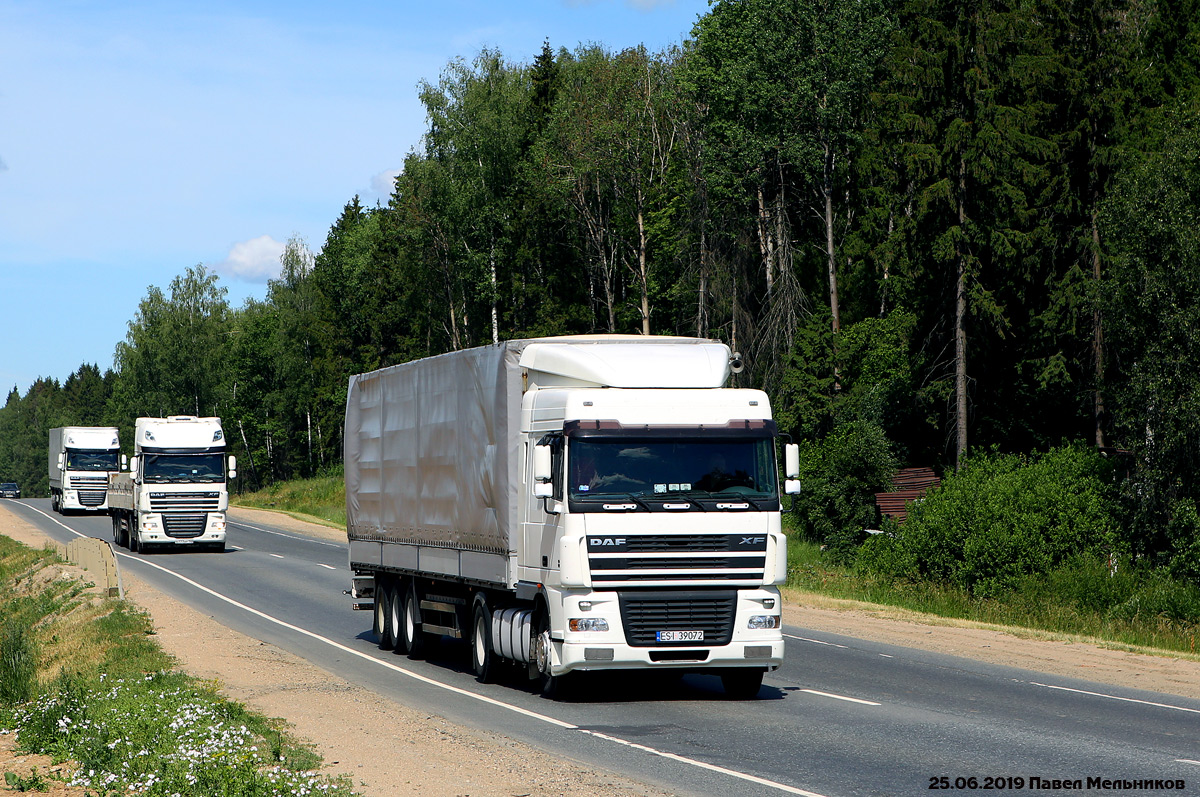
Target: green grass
(321, 497)
(1142, 612)
(101, 693)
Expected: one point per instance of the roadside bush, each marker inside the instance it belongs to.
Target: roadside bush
(839, 477)
(1002, 518)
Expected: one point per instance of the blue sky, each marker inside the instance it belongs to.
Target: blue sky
(138, 139)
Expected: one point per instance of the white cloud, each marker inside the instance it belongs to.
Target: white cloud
(256, 260)
(384, 183)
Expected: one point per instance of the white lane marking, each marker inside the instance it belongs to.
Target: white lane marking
(1186, 761)
(886, 656)
(456, 690)
(281, 534)
(277, 556)
(327, 567)
(1115, 697)
(842, 697)
(711, 767)
(816, 641)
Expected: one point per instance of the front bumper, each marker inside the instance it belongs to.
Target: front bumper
(746, 647)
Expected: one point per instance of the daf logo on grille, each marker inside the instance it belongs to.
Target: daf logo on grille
(752, 540)
(600, 542)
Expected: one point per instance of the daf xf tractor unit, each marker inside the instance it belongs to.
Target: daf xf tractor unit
(175, 492)
(81, 458)
(584, 503)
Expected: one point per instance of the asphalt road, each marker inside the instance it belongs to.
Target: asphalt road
(842, 717)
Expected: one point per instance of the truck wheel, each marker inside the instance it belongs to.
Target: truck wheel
(742, 684)
(555, 687)
(484, 660)
(385, 631)
(135, 544)
(411, 636)
(116, 523)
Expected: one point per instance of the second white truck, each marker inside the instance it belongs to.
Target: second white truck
(175, 492)
(81, 458)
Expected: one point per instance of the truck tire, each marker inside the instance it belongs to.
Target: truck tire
(116, 524)
(484, 660)
(395, 614)
(412, 639)
(554, 687)
(742, 684)
(385, 595)
(131, 532)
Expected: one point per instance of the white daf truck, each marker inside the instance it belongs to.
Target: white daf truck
(81, 458)
(175, 491)
(597, 502)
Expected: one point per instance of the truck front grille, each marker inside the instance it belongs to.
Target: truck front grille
(655, 559)
(643, 613)
(91, 489)
(185, 502)
(184, 525)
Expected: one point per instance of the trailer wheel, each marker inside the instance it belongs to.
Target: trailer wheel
(742, 684)
(384, 596)
(411, 636)
(484, 660)
(395, 614)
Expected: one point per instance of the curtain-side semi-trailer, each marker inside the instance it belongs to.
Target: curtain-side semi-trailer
(175, 491)
(596, 502)
(81, 458)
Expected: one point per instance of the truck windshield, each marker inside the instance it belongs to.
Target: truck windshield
(612, 468)
(164, 468)
(87, 459)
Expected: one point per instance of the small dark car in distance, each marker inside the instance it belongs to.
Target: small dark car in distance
(10, 490)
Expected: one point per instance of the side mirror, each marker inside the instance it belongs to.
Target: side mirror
(133, 466)
(231, 468)
(791, 486)
(791, 461)
(542, 469)
(60, 461)
(543, 490)
(124, 462)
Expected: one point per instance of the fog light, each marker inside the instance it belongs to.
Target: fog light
(761, 622)
(589, 624)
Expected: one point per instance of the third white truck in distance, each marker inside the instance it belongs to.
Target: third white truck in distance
(81, 458)
(175, 492)
(597, 502)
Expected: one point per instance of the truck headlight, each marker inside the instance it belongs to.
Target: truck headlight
(763, 622)
(150, 524)
(589, 624)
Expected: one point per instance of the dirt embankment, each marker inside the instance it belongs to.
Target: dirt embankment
(388, 749)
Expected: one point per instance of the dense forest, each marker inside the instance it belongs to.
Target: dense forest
(932, 228)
